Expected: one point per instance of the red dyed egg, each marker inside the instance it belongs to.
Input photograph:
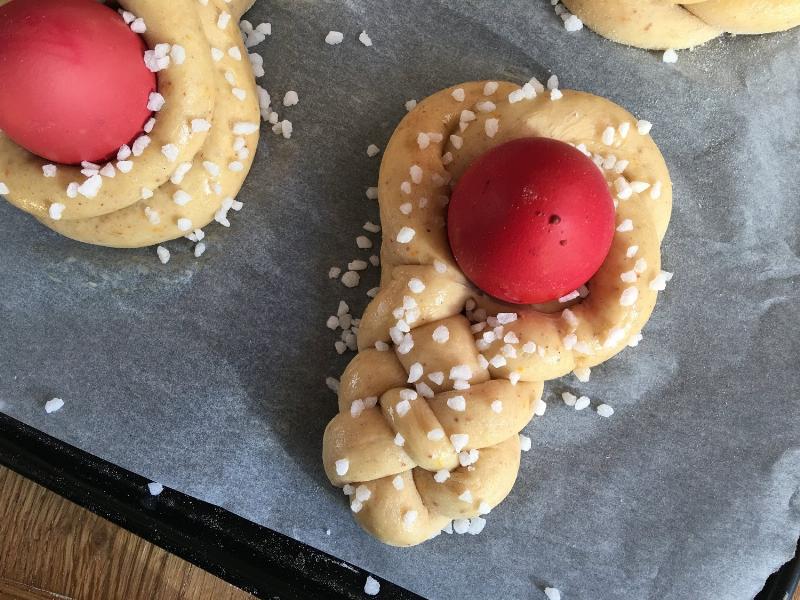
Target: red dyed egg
(531, 220)
(75, 86)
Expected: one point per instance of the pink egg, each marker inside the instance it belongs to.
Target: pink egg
(75, 83)
(531, 220)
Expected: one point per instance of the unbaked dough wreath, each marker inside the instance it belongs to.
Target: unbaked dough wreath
(431, 406)
(663, 24)
(189, 168)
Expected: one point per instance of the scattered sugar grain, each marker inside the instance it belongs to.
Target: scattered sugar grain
(56, 210)
(552, 593)
(491, 127)
(170, 151)
(629, 296)
(290, 98)
(573, 23)
(582, 403)
(441, 476)
(539, 407)
(351, 279)
(53, 405)
(334, 37)
(409, 517)
(461, 526)
(457, 403)
(441, 334)
(155, 102)
(372, 586)
(342, 466)
(583, 374)
(178, 54)
(138, 25)
(435, 435)
(459, 441)
(405, 235)
(604, 410)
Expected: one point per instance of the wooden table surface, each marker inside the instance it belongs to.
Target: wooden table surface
(52, 549)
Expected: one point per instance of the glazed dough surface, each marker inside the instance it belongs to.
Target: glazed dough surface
(198, 89)
(443, 341)
(662, 24)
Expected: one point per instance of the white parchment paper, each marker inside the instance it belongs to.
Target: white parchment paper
(208, 375)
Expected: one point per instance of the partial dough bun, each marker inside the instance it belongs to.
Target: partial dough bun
(431, 407)
(201, 147)
(663, 24)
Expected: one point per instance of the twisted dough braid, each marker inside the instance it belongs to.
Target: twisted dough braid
(662, 24)
(200, 88)
(413, 437)
(392, 447)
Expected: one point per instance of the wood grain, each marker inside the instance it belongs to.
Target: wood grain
(52, 549)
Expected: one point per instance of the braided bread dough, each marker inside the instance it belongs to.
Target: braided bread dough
(663, 24)
(477, 383)
(199, 88)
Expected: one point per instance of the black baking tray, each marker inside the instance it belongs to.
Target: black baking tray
(259, 560)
